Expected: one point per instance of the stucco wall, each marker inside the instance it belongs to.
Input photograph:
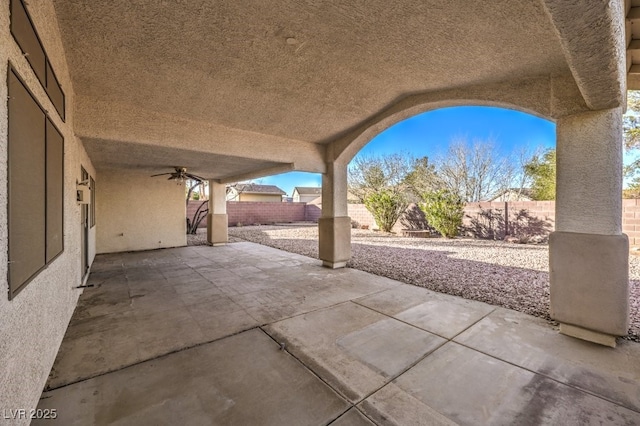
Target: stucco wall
(260, 197)
(307, 198)
(137, 212)
(33, 323)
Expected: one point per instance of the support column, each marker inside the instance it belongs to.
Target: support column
(217, 220)
(588, 254)
(334, 226)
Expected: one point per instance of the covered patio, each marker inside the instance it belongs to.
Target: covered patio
(247, 334)
(105, 99)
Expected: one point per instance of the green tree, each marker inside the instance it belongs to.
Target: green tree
(542, 169)
(422, 178)
(387, 184)
(631, 120)
(387, 207)
(444, 211)
(631, 127)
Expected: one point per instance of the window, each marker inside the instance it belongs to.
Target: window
(35, 183)
(27, 38)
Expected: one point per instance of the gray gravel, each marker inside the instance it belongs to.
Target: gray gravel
(510, 275)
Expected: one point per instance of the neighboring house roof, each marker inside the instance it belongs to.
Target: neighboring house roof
(252, 188)
(307, 190)
(523, 193)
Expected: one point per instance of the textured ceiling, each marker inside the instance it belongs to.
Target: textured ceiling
(304, 70)
(154, 159)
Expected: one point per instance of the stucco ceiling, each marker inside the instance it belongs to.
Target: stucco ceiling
(153, 159)
(304, 70)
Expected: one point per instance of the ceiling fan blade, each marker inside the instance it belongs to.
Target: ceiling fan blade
(194, 177)
(161, 174)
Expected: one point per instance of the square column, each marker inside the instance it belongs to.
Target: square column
(334, 226)
(217, 220)
(588, 254)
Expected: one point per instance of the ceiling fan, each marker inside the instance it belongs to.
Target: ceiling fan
(181, 175)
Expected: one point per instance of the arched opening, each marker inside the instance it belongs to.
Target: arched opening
(588, 253)
(416, 107)
(488, 156)
(500, 254)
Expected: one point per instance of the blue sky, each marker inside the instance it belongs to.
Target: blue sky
(429, 134)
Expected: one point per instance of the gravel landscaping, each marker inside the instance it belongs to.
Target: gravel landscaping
(511, 275)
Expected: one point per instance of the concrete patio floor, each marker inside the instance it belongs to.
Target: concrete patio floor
(245, 334)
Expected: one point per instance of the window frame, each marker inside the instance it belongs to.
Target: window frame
(92, 207)
(48, 79)
(14, 290)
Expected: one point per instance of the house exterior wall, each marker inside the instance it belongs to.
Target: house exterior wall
(137, 212)
(269, 198)
(33, 324)
(306, 198)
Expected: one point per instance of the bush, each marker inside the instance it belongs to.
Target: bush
(444, 211)
(386, 207)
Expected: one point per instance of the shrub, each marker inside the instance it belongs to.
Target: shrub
(386, 207)
(444, 211)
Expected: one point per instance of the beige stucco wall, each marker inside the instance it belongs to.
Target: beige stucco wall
(305, 198)
(137, 212)
(33, 323)
(260, 197)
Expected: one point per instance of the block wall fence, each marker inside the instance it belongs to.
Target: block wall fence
(482, 219)
(262, 212)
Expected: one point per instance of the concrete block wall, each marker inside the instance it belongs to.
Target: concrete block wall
(631, 220)
(521, 218)
(360, 215)
(248, 213)
(312, 212)
(538, 215)
(192, 207)
(484, 219)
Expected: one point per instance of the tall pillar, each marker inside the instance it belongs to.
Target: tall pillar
(217, 221)
(334, 226)
(588, 254)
